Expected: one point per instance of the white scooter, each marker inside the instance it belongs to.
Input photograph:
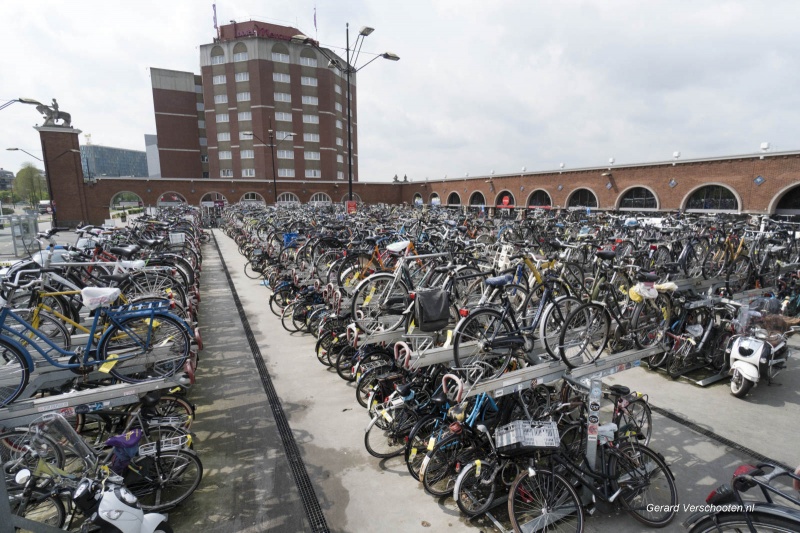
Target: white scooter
(755, 354)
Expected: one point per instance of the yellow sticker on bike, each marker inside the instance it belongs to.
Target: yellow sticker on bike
(478, 467)
(369, 296)
(385, 414)
(431, 443)
(109, 364)
(412, 454)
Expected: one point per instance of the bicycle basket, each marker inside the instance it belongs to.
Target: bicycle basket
(169, 444)
(432, 309)
(522, 436)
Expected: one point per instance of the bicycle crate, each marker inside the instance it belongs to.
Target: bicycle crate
(290, 239)
(170, 444)
(177, 238)
(522, 436)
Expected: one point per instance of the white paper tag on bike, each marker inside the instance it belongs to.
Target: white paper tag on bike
(449, 338)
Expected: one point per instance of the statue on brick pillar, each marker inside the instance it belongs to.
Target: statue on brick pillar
(52, 114)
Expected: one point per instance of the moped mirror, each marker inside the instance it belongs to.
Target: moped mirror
(22, 476)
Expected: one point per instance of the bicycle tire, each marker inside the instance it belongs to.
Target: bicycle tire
(166, 479)
(384, 443)
(737, 278)
(650, 321)
(378, 303)
(155, 348)
(438, 471)
(636, 419)
(552, 320)
(714, 262)
(344, 363)
(46, 325)
(733, 522)
(171, 406)
(419, 442)
(633, 466)
(366, 381)
(539, 495)
(14, 373)
(251, 272)
(475, 489)
(12, 448)
(46, 509)
(584, 335)
(472, 343)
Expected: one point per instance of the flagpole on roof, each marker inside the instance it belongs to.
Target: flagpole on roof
(316, 31)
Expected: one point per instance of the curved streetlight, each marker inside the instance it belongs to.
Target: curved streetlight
(30, 101)
(348, 69)
(272, 145)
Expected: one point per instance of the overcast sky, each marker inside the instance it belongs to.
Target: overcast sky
(480, 86)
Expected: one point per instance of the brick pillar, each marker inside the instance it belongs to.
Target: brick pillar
(62, 164)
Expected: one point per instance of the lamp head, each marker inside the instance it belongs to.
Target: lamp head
(366, 30)
(300, 39)
(390, 56)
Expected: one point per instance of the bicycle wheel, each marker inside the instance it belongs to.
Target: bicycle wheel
(41, 508)
(344, 363)
(152, 348)
(390, 442)
(584, 335)
(714, 262)
(475, 488)
(553, 319)
(287, 316)
(484, 336)
(734, 522)
(636, 419)
(544, 501)
(367, 381)
(165, 480)
(379, 302)
(419, 442)
(14, 373)
(170, 406)
(648, 491)
(438, 470)
(738, 276)
(46, 325)
(651, 319)
(251, 272)
(14, 445)
(324, 344)
(280, 299)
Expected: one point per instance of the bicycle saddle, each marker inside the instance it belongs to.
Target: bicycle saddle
(499, 281)
(404, 390)
(647, 276)
(619, 390)
(439, 399)
(606, 255)
(124, 251)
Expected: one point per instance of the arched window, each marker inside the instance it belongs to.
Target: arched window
(505, 199)
(712, 198)
(582, 198)
(638, 198)
(210, 199)
(171, 198)
(789, 204)
(356, 198)
(125, 200)
(417, 199)
(240, 52)
(477, 199)
(435, 200)
(308, 58)
(539, 198)
(320, 198)
(454, 199)
(288, 198)
(252, 198)
(217, 55)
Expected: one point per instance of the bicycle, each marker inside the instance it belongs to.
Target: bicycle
(142, 343)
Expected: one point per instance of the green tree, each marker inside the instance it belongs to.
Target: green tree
(30, 185)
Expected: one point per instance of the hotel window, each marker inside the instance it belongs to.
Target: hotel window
(218, 80)
(223, 117)
(339, 141)
(224, 136)
(245, 115)
(224, 154)
(313, 173)
(339, 124)
(243, 97)
(200, 106)
(285, 172)
(201, 124)
(286, 117)
(246, 136)
(217, 60)
(220, 98)
(285, 154)
(311, 119)
(203, 158)
(340, 158)
(340, 175)
(308, 80)
(311, 137)
(281, 135)
(248, 173)
(247, 154)
(241, 56)
(280, 58)
(226, 173)
(338, 107)
(338, 89)
(308, 61)
(311, 100)
(278, 76)
(283, 97)
(312, 155)
(203, 141)
(242, 76)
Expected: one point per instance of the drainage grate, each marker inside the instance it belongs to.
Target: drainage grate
(719, 438)
(301, 479)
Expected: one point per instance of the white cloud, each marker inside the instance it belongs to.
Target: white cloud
(480, 85)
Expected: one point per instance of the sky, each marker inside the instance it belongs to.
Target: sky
(481, 86)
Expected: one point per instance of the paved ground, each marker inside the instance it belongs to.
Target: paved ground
(248, 486)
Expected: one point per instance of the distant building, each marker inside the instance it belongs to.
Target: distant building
(107, 161)
(6, 179)
(153, 161)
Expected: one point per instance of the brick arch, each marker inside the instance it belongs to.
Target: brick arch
(582, 188)
(530, 197)
(773, 204)
(711, 184)
(450, 196)
(111, 200)
(213, 196)
(625, 191)
(173, 197)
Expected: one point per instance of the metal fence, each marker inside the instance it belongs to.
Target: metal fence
(18, 235)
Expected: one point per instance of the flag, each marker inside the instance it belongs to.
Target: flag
(315, 18)
(214, 6)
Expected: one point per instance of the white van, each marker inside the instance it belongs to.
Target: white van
(45, 206)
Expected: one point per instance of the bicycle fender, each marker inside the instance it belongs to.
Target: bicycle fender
(25, 354)
(151, 521)
(372, 423)
(761, 508)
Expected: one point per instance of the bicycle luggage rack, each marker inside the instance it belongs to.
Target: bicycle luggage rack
(21, 413)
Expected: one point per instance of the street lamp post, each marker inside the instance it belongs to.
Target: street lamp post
(272, 146)
(348, 70)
